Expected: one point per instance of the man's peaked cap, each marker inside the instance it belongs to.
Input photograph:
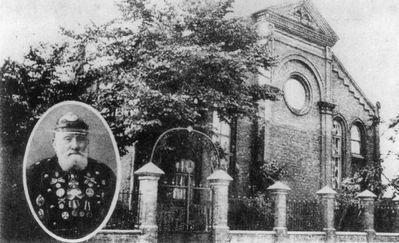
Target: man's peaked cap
(70, 122)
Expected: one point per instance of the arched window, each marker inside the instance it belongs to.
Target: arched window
(356, 140)
(337, 153)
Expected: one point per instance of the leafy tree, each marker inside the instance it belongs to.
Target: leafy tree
(392, 135)
(348, 217)
(157, 67)
(28, 89)
(160, 66)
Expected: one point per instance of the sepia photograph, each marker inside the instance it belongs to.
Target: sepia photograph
(199, 121)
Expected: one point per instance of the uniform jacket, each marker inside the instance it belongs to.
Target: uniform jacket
(71, 204)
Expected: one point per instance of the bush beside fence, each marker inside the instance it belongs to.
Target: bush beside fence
(348, 216)
(251, 213)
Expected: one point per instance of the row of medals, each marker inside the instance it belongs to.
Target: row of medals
(72, 193)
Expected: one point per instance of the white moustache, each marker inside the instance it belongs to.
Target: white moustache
(76, 153)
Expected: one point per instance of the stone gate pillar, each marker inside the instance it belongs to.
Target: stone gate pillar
(395, 201)
(148, 176)
(327, 196)
(219, 182)
(280, 191)
(367, 201)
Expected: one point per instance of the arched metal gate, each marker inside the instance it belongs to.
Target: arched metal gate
(183, 204)
(184, 197)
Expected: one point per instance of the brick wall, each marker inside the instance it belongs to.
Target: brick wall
(295, 140)
(351, 110)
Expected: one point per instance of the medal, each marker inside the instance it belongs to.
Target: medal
(90, 181)
(65, 215)
(60, 192)
(74, 212)
(40, 213)
(73, 193)
(89, 192)
(56, 174)
(87, 206)
(103, 182)
(81, 214)
(58, 185)
(40, 200)
(61, 206)
(73, 183)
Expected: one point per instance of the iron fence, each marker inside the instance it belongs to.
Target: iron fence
(385, 214)
(304, 215)
(125, 217)
(348, 216)
(251, 213)
(184, 208)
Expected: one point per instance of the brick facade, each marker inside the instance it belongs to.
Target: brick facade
(303, 142)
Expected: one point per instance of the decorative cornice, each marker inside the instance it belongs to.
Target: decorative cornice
(326, 107)
(300, 19)
(352, 86)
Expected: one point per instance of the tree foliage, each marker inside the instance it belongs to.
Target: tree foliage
(157, 67)
(28, 89)
(161, 65)
(366, 178)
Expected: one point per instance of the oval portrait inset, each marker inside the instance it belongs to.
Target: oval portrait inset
(71, 171)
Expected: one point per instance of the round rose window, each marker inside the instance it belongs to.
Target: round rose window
(296, 95)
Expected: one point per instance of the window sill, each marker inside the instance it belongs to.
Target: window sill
(357, 156)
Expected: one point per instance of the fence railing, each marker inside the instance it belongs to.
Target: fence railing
(184, 208)
(123, 217)
(385, 215)
(304, 215)
(251, 213)
(348, 216)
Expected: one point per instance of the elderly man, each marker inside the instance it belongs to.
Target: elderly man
(70, 192)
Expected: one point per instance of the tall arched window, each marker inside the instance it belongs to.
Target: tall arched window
(337, 153)
(356, 140)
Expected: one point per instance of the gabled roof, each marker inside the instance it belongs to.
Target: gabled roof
(353, 87)
(301, 18)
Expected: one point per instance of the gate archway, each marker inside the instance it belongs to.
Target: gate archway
(184, 197)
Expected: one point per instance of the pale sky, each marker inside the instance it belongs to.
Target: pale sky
(368, 32)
